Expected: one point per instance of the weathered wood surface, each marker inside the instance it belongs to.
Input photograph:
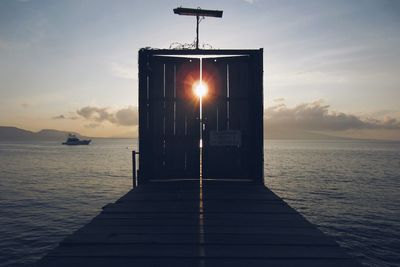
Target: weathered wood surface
(174, 224)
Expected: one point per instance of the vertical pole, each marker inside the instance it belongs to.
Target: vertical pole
(201, 105)
(133, 168)
(201, 143)
(201, 127)
(197, 32)
(201, 122)
(201, 204)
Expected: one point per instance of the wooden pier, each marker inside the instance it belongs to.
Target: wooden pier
(183, 223)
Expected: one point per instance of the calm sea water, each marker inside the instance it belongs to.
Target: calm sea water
(350, 189)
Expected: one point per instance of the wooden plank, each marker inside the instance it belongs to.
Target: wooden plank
(201, 251)
(167, 206)
(239, 221)
(209, 207)
(195, 229)
(226, 262)
(215, 239)
(144, 197)
(228, 217)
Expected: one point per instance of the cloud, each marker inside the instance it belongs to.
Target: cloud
(25, 105)
(96, 114)
(317, 116)
(59, 117)
(384, 113)
(125, 116)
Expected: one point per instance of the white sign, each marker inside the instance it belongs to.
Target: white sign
(225, 138)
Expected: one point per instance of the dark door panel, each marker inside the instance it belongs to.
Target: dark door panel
(170, 141)
(226, 118)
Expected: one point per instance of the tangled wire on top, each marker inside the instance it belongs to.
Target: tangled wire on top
(187, 46)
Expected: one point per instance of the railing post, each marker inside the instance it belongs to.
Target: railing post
(134, 182)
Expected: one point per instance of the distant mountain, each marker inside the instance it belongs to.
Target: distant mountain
(17, 134)
(13, 133)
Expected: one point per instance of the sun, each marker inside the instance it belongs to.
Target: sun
(200, 89)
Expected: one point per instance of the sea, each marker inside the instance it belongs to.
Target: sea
(350, 189)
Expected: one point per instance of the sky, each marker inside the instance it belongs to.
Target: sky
(329, 66)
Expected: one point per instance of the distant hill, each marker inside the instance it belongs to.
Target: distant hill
(16, 134)
(298, 135)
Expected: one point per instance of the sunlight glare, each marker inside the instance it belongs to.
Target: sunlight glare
(200, 89)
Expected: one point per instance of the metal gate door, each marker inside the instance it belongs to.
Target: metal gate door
(168, 118)
(227, 127)
(169, 114)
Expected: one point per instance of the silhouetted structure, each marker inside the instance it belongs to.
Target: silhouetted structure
(232, 114)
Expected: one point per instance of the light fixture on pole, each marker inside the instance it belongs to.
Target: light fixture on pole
(199, 13)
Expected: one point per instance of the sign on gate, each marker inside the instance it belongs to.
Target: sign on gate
(226, 138)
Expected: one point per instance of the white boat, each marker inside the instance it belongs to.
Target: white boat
(74, 141)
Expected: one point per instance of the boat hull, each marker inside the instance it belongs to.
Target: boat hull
(77, 143)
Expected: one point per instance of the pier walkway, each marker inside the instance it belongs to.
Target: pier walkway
(177, 223)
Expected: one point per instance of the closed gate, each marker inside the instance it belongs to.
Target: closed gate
(169, 118)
